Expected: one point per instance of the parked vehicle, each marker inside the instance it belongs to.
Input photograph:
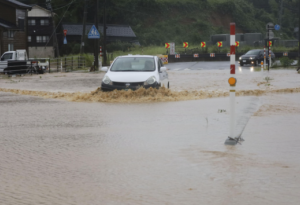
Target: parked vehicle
(16, 62)
(133, 72)
(254, 57)
(43, 63)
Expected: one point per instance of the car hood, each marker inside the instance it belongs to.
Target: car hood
(129, 77)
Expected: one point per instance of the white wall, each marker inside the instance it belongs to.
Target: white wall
(41, 52)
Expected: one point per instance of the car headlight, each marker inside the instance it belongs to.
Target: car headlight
(240, 58)
(150, 81)
(106, 80)
(251, 58)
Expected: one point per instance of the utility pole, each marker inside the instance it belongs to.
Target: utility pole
(96, 66)
(48, 3)
(268, 44)
(104, 34)
(83, 29)
(299, 36)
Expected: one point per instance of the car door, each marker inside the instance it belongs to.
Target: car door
(163, 75)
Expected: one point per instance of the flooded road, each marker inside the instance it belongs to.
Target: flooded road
(59, 152)
(62, 141)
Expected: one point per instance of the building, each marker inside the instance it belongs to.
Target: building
(113, 32)
(40, 30)
(13, 25)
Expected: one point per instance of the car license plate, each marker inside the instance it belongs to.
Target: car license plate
(244, 61)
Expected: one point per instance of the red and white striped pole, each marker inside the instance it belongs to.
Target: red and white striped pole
(101, 51)
(264, 57)
(232, 82)
(270, 59)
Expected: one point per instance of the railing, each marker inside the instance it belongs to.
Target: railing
(66, 64)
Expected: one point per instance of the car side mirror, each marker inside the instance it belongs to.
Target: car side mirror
(105, 69)
(162, 69)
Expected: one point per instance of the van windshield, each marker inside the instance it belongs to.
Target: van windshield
(134, 64)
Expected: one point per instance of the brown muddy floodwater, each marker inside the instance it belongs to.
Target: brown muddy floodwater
(54, 151)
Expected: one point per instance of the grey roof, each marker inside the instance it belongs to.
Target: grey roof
(112, 30)
(19, 4)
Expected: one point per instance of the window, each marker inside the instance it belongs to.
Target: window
(10, 47)
(44, 22)
(6, 57)
(10, 34)
(42, 39)
(134, 64)
(29, 38)
(31, 22)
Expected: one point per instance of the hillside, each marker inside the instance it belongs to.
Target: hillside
(158, 21)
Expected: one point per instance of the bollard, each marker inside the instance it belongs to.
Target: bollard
(264, 57)
(232, 140)
(270, 57)
(262, 66)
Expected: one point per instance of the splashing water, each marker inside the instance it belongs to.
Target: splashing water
(143, 95)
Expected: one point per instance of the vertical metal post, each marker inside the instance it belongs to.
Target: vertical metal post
(231, 139)
(262, 66)
(264, 57)
(49, 65)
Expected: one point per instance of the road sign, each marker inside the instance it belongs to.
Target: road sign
(65, 40)
(277, 27)
(167, 45)
(285, 54)
(270, 26)
(177, 56)
(228, 54)
(220, 44)
(65, 32)
(94, 33)
(237, 44)
(196, 55)
(271, 35)
(203, 44)
(172, 48)
(185, 44)
(270, 43)
(212, 55)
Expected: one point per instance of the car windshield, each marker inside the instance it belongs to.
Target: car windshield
(134, 64)
(253, 52)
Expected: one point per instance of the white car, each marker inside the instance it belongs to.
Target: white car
(133, 72)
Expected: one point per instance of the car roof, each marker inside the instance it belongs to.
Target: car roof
(139, 56)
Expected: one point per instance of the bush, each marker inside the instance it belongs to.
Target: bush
(285, 62)
(119, 46)
(89, 59)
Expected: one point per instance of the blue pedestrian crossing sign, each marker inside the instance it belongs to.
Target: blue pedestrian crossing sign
(94, 33)
(277, 27)
(65, 40)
